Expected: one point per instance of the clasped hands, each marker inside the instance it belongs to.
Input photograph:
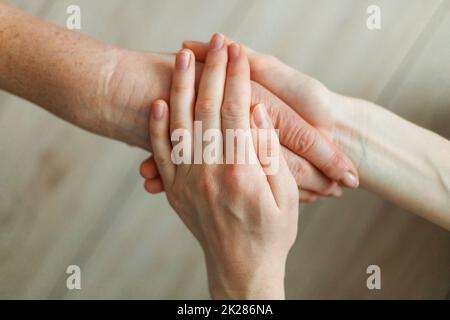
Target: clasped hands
(245, 221)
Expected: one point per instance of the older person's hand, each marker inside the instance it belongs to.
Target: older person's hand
(311, 100)
(107, 90)
(319, 167)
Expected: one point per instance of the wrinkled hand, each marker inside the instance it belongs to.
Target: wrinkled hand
(142, 77)
(311, 100)
(245, 221)
(318, 166)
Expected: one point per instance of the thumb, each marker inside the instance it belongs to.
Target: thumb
(268, 149)
(295, 133)
(306, 141)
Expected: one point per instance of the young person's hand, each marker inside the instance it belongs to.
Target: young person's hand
(308, 98)
(375, 139)
(245, 221)
(140, 76)
(107, 90)
(318, 166)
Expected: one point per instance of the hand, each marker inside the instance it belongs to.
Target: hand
(140, 77)
(245, 221)
(136, 79)
(107, 90)
(298, 138)
(311, 100)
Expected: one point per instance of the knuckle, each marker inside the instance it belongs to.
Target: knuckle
(161, 160)
(232, 109)
(180, 86)
(235, 177)
(238, 74)
(206, 106)
(334, 162)
(305, 139)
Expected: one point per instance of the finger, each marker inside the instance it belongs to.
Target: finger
(153, 186)
(235, 110)
(312, 179)
(212, 84)
(159, 137)
(270, 156)
(308, 177)
(236, 103)
(307, 142)
(307, 196)
(296, 79)
(303, 139)
(200, 49)
(182, 93)
(286, 82)
(182, 97)
(330, 160)
(148, 169)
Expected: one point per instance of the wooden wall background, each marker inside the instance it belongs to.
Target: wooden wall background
(69, 197)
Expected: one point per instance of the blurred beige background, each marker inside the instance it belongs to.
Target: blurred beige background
(69, 197)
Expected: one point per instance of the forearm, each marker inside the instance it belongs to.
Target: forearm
(70, 75)
(398, 160)
(52, 67)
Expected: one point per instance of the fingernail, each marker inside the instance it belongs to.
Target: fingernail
(217, 41)
(261, 118)
(350, 180)
(158, 110)
(337, 192)
(182, 60)
(234, 50)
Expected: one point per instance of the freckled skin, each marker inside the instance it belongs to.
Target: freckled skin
(107, 90)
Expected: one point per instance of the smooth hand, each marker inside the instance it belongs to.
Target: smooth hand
(245, 221)
(319, 167)
(308, 98)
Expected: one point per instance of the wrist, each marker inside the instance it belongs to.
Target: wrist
(240, 281)
(349, 126)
